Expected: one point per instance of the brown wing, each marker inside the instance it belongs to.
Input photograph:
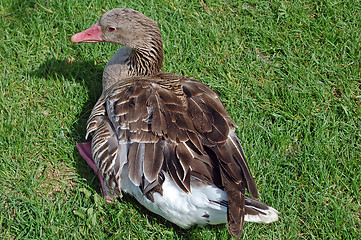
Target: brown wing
(216, 129)
(175, 125)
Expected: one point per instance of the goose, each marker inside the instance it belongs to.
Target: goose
(163, 138)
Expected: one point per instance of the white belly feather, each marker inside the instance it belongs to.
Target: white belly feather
(183, 209)
(201, 206)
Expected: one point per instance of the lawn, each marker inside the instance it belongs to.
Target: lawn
(288, 72)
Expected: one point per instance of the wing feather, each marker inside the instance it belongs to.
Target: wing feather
(153, 161)
(135, 161)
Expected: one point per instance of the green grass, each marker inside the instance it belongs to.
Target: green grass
(288, 72)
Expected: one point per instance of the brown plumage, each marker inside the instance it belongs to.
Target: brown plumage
(149, 126)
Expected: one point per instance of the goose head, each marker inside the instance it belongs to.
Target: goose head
(122, 26)
(133, 30)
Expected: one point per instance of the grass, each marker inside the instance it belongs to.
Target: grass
(287, 71)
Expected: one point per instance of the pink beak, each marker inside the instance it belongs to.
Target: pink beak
(92, 34)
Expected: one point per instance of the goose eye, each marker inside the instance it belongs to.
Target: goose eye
(111, 29)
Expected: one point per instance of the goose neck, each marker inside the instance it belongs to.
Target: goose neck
(146, 60)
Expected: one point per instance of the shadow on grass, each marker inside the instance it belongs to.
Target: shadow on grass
(89, 75)
(86, 73)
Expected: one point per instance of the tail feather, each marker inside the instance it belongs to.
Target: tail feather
(259, 212)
